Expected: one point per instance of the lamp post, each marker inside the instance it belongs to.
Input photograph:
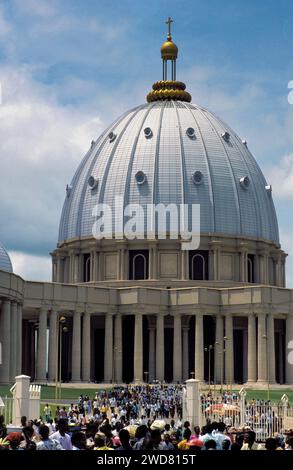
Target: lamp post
(229, 381)
(209, 349)
(146, 376)
(192, 374)
(58, 375)
(267, 365)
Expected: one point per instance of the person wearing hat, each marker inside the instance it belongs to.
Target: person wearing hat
(100, 442)
(195, 444)
(14, 439)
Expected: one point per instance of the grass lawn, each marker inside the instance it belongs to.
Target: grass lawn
(48, 393)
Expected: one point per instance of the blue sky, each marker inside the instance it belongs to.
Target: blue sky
(69, 67)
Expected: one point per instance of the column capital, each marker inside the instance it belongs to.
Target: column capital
(214, 244)
(242, 246)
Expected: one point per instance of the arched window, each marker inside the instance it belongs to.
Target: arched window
(139, 267)
(250, 268)
(87, 268)
(138, 264)
(199, 265)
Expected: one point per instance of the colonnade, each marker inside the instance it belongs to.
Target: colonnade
(260, 354)
(260, 347)
(10, 339)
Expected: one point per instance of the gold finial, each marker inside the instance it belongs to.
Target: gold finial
(169, 88)
(169, 22)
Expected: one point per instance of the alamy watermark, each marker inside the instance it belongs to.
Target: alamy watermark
(152, 221)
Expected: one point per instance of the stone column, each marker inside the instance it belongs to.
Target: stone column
(199, 355)
(185, 365)
(5, 320)
(152, 353)
(58, 270)
(101, 266)
(219, 364)
(229, 350)
(215, 248)
(42, 345)
(76, 348)
(13, 341)
(86, 347)
(138, 349)
(53, 346)
(118, 364)
(281, 358)
(160, 348)
(108, 361)
(243, 265)
(289, 350)
(271, 348)
(177, 350)
(19, 340)
(261, 348)
(251, 353)
(184, 264)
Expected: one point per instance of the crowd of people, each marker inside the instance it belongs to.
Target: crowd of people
(134, 418)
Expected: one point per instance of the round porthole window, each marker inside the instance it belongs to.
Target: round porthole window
(226, 136)
(190, 132)
(93, 182)
(148, 132)
(140, 177)
(245, 182)
(269, 189)
(112, 136)
(68, 190)
(197, 177)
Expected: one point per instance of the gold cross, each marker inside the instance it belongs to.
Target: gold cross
(169, 25)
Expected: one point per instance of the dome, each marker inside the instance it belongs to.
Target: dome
(5, 263)
(183, 154)
(169, 50)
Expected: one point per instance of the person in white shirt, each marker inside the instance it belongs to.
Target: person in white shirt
(61, 435)
(47, 443)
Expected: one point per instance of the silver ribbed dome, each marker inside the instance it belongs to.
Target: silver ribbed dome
(207, 164)
(5, 263)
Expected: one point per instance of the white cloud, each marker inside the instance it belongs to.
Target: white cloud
(30, 267)
(281, 176)
(42, 143)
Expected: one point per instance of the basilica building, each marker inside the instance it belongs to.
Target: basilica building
(122, 309)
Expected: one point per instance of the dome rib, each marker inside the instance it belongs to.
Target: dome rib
(184, 185)
(133, 151)
(235, 189)
(211, 192)
(155, 174)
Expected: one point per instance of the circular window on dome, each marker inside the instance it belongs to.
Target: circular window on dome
(269, 189)
(148, 132)
(92, 182)
(197, 177)
(190, 132)
(112, 136)
(226, 136)
(68, 190)
(140, 177)
(245, 182)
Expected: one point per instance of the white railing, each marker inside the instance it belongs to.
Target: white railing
(263, 418)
